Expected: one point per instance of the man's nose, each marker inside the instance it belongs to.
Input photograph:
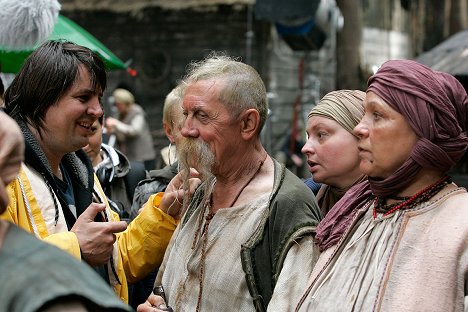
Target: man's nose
(188, 130)
(95, 107)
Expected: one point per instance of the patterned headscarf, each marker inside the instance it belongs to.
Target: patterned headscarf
(344, 106)
(435, 105)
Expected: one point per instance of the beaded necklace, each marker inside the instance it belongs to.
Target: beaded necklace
(204, 234)
(410, 202)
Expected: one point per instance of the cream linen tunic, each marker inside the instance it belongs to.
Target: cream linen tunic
(360, 265)
(412, 260)
(224, 285)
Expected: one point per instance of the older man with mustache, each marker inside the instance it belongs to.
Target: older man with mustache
(246, 234)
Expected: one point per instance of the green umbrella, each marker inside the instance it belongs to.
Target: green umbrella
(11, 61)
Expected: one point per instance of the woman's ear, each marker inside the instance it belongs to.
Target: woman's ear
(249, 123)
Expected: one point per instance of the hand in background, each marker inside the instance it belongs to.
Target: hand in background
(110, 124)
(297, 160)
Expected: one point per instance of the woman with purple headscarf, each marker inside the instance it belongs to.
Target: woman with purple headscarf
(398, 241)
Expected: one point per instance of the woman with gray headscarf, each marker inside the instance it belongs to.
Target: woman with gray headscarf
(332, 148)
(398, 242)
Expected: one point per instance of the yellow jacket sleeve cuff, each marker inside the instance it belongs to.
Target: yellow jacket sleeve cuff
(66, 241)
(156, 200)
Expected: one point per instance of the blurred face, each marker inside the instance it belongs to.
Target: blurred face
(386, 138)
(121, 107)
(93, 148)
(11, 155)
(208, 120)
(68, 123)
(177, 123)
(173, 128)
(331, 152)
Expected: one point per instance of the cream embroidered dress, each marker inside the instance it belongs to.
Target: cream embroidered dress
(361, 265)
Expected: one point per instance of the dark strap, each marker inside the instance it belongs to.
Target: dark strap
(136, 174)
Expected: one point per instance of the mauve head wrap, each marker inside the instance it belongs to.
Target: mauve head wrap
(346, 107)
(435, 105)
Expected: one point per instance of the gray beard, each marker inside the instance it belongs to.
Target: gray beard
(195, 153)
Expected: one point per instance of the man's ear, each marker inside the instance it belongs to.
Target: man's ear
(168, 131)
(249, 123)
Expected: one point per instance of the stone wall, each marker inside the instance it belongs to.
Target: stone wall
(380, 45)
(160, 43)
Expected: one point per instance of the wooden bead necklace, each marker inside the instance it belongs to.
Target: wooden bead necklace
(420, 197)
(204, 233)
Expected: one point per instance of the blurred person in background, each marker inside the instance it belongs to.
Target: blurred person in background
(117, 175)
(158, 180)
(168, 154)
(290, 153)
(131, 129)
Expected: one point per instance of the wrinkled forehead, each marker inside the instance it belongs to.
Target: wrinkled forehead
(201, 93)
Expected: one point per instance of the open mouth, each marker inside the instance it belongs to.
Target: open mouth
(86, 125)
(312, 165)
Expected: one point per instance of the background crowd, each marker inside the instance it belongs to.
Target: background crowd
(224, 225)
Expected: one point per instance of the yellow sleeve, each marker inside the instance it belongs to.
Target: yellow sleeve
(17, 213)
(66, 241)
(11, 213)
(143, 244)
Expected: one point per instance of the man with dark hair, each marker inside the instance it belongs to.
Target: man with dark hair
(36, 276)
(55, 99)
